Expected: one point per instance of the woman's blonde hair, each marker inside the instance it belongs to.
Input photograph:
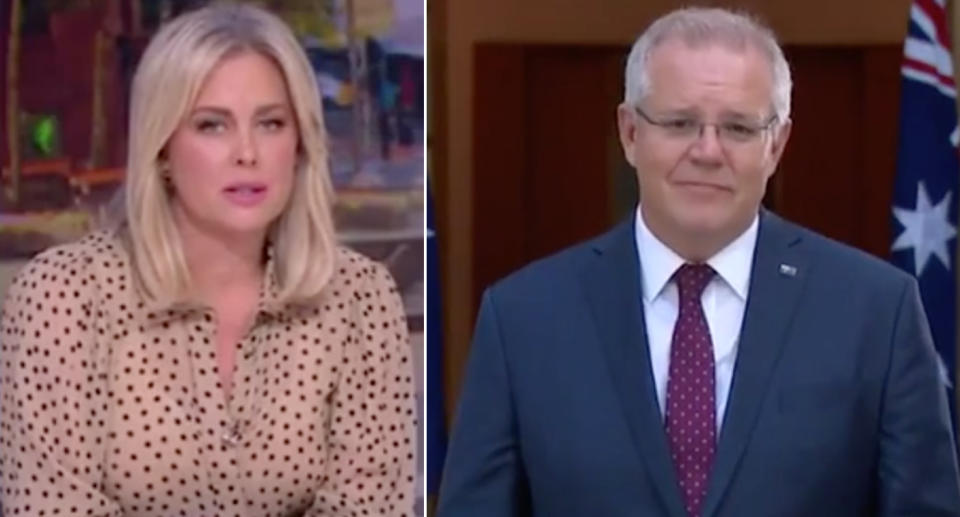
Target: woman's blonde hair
(165, 86)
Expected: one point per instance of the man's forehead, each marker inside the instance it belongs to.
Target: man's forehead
(673, 46)
(709, 62)
(683, 76)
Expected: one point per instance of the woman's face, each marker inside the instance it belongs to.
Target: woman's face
(232, 160)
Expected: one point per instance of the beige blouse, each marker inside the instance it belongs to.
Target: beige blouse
(109, 407)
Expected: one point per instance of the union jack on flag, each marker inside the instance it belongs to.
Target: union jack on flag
(925, 188)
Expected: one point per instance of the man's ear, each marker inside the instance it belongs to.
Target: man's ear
(780, 137)
(627, 127)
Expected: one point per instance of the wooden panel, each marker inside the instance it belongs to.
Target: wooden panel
(881, 105)
(837, 172)
(500, 163)
(436, 141)
(817, 180)
(569, 121)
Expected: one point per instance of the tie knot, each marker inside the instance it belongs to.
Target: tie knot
(692, 279)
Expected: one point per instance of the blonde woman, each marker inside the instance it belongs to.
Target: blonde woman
(217, 353)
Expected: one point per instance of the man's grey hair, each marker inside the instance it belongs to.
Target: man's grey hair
(697, 26)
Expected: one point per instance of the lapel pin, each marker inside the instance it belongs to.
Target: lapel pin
(788, 270)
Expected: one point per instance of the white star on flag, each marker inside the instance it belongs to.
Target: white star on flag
(926, 229)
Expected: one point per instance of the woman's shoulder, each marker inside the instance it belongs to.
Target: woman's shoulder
(83, 263)
(359, 271)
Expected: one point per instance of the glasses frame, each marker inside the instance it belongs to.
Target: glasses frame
(718, 128)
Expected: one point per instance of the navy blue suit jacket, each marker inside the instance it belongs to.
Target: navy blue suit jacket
(837, 407)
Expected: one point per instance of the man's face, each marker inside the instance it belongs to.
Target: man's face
(703, 184)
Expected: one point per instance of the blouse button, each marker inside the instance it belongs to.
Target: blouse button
(231, 436)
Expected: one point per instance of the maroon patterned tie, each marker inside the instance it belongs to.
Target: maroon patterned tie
(691, 406)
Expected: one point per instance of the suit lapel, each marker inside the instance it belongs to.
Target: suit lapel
(612, 283)
(780, 269)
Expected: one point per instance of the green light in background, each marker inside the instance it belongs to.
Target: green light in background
(44, 134)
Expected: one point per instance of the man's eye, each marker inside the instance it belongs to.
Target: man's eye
(680, 124)
(739, 131)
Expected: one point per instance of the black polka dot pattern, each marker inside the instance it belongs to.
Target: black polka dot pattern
(691, 391)
(111, 407)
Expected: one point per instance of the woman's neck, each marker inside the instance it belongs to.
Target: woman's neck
(221, 263)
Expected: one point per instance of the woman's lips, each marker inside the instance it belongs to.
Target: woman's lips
(246, 194)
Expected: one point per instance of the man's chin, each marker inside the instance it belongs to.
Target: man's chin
(703, 223)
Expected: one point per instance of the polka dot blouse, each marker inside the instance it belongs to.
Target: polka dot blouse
(109, 407)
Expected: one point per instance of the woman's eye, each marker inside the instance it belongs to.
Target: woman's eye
(210, 126)
(274, 124)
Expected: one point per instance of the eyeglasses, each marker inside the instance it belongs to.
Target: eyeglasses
(688, 129)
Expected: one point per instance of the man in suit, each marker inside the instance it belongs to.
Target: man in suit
(705, 357)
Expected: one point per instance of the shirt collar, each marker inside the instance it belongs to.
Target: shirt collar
(733, 263)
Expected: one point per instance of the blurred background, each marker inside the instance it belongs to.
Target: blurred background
(523, 151)
(67, 67)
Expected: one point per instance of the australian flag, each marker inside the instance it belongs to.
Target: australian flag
(925, 189)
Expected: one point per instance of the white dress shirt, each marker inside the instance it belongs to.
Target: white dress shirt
(724, 300)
